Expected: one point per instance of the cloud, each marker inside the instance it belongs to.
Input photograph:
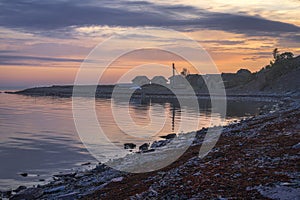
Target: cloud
(295, 38)
(54, 16)
(7, 51)
(223, 42)
(289, 42)
(259, 55)
(255, 58)
(248, 25)
(13, 63)
(23, 60)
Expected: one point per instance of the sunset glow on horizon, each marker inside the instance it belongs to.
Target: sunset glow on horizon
(45, 46)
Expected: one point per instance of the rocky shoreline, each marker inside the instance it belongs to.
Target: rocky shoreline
(256, 158)
(149, 91)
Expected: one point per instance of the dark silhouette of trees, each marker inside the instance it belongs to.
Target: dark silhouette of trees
(286, 55)
(279, 57)
(278, 61)
(275, 53)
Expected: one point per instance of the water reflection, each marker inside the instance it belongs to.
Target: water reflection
(38, 135)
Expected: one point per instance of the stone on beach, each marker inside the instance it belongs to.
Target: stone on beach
(129, 146)
(144, 147)
(84, 164)
(20, 188)
(296, 146)
(159, 143)
(30, 193)
(65, 175)
(118, 179)
(24, 174)
(148, 151)
(169, 136)
(56, 189)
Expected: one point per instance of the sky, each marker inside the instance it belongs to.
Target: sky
(45, 42)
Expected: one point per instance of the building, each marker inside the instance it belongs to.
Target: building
(141, 80)
(178, 82)
(159, 80)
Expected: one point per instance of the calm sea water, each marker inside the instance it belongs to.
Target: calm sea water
(38, 135)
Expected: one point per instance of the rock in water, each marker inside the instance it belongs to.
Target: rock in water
(20, 188)
(24, 174)
(84, 164)
(169, 136)
(159, 143)
(129, 146)
(149, 150)
(144, 147)
(67, 175)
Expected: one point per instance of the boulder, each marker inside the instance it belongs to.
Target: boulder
(149, 150)
(55, 189)
(84, 164)
(159, 143)
(20, 188)
(169, 136)
(296, 146)
(144, 147)
(129, 146)
(24, 174)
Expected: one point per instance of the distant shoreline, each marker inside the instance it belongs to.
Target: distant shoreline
(148, 92)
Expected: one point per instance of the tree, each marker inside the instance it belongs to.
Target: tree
(243, 72)
(275, 53)
(278, 57)
(185, 72)
(286, 55)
